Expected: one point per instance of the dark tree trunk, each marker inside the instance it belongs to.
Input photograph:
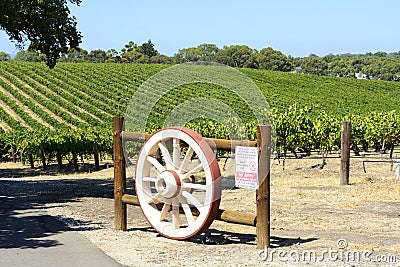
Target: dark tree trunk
(31, 162)
(13, 156)
(75, 159)
(96, 157)
(43, 158)
(59, 160)
(355, 149)
(22, 159)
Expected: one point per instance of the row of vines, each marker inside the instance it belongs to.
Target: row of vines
(297, 130)
(66, 113)
(45, 145)
(300, 131)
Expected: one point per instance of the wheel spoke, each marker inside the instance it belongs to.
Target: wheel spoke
(194, 186)
(154, 198)
(176, 154)
(195, 169)
(166, 156)
(149, 179)
(160, 168)
(175, 214)
(164, 211)
(193, 201)
(186, 160)
(188, 212)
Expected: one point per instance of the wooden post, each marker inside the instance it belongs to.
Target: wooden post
(263, 191)
(96, 157)
(120, 213)
(345, 153)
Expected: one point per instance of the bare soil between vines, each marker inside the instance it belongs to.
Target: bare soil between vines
(309, 211)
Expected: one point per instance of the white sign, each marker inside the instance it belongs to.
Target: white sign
(246, 167)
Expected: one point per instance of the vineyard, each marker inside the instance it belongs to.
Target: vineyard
(66, 112)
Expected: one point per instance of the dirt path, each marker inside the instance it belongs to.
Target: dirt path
(26, 108)
(5, 126)
(11, 112)
(309, 212)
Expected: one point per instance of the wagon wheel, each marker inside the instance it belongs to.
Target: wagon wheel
(177, 183)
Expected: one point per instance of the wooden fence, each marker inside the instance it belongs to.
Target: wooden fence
(261, 220)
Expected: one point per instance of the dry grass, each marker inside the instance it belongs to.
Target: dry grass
(309, 203)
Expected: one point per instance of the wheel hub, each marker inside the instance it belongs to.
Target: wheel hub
(168, 184)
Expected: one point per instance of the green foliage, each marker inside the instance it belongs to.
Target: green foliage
(337, 96)
(75, 55)
(270, 59)
(28, 142)
(4, 56)
(98, 56)
(314, 65)
(147, 49)
(378, 66)
(132, 53)
(236, 56)
(29, 56)
(160, 59)
(203, 52)
(46, 24)
(130, 46)
(134, 57)
(86, 96)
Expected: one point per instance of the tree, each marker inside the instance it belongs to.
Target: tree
(4, 56)
(46, 24)
(161, 59)
(97, 55)
(147, 49)
(314, 65)
(252, 62)
(113, 56)
(271, 59)
(235, 55)
(207, 52)
(203, 52)
(74, 55)
(134, 57)
(129, 47)
(340, 67)
(29, 56)
(380, 54)
(187, 55)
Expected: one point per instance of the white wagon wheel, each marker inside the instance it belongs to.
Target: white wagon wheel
(177, 183)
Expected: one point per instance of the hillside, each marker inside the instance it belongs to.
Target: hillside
(69, 110)
(337, 96)
(77, 95)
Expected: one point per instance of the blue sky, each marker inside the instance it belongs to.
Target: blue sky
(295, 27)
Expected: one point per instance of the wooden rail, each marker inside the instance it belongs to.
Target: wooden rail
(222, 144)
(229, 216)
(262, 218)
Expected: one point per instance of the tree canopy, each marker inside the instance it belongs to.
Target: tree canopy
(4, 56)
(47, 24)
(375, 66)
